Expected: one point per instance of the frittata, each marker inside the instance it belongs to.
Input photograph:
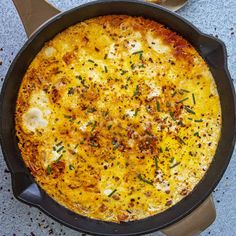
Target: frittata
(118, 118)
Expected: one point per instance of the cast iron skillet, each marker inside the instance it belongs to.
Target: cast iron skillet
(24, 187)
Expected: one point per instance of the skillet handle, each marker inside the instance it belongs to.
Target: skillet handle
(34, 13)
(196, 222)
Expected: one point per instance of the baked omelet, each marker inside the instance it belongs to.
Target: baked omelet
(118, 118)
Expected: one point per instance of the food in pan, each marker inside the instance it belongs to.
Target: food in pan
(118, 118)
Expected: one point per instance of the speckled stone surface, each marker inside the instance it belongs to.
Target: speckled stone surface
(212, 17)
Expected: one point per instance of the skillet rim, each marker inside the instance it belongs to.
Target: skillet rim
(205, 194)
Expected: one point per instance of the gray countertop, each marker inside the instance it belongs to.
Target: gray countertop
(217, 18)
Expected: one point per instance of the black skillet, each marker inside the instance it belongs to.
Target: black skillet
(24, 187)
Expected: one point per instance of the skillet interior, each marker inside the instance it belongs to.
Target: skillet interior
(209, 48)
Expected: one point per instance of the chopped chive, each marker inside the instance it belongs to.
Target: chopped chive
(89, 60)
(105, 56)
(76, 146)
(174, 94)
(79, 77)
(184, 90)
(136, 112)
(189, 110)
(145, 180)
(71, 91)
(68, 117)
(172, 116)
(176, 164)
(123, 72)
(94, 144)
(161, 151)
(78, 122)
(94, 126)
(109, 127)
(172, 159)
(49, 170)
(190, 118)
(196, 134)
(58, 144)
(61, 148)
(133, 66)
(140, 56)
(129, 211)
(194, 100)
(167, 149)
(138, 52)
(71, 167)
(89, 123)
(136, 91)
(158, 106)
(59, 158)
(112, 192)
(182, 100)
(91, 110)
(198, 120)
(116, 145)
(53, 148)
(180, 140)
(105, 113)
(105, 68)
(156, 162)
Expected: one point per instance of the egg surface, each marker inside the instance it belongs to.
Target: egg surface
(118, 118)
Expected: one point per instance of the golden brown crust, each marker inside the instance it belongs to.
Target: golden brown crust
(118, 118)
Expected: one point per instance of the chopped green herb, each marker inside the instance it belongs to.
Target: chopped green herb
(176, 164)
(105, 113)
(91, 110)
(94, 144)
(140, 56)
(49, 170)
(76, 146)
(61, 148)
(167, 149)
(156, 162)
(172, 159)
(71, 167)
(184, 91)
(116, 145)
(68, 117)
(180, 140)
(136, 91)
(58, 144)
(89, 123)
(198, 120)
(105, 57)
(172, 116)
(59, 158)
(196, 134)
(161, 151)
(94, 126)
(89, 60)
(145, 180)
(174, 94)
(189, 110)
(158, 106)
(79, 77)
(136, 112)
(182, 100)
(105, 68)
(138, 52)
(71, 91)
(194, 100)
(109, 127)
(54, 149)
(112, 193)
(133, 66)
(190, 118)
(123, 72)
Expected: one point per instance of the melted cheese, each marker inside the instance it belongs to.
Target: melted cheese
(118, 118)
